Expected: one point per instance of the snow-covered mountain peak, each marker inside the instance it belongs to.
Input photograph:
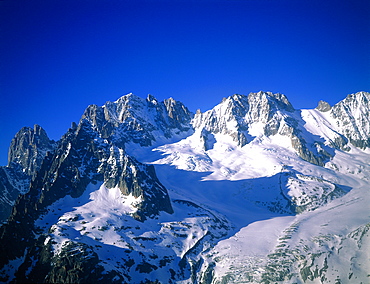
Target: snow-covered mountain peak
(259, 106)
(352, 118)
(256, 107)
(275, 101)
(245, 118)
(225, 118)
(143, 191)
(358, 98)
(130, 97)
(270, 120)
(235, 106)
(138, 120)
(269, 109)
(323, 106)
(355, 105)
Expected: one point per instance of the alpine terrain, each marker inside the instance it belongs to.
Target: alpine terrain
(142, 191)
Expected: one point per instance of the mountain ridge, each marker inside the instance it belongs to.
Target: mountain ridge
(172, 187)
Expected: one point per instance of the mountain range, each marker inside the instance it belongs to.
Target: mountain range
(142, 191)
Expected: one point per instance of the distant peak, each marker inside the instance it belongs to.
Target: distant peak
(323, 106)
(28, 148)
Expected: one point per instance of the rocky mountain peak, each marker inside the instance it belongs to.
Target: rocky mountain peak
(357, 101)
(262, 114)
(28, 148)
(323, 106)
(177, 112)
(27, 151)
(129, 99)
(234, 114)
(352, 118)
(263, 105)
(232, 108)
(138, 120)
(225, 118)
(359, 97)
(237, 102)
(282, 101)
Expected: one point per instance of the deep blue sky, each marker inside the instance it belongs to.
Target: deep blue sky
(57, 57)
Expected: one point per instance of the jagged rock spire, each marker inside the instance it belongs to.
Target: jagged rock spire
(28, 148)
(323, 106)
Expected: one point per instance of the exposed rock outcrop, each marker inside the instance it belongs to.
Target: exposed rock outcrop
(133, 119)
(28, 148)
(26, 153)
(323, 106)
(353, 120)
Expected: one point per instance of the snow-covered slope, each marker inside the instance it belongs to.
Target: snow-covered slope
(251, 191)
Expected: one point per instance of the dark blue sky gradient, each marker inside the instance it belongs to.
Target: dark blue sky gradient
(57, 57)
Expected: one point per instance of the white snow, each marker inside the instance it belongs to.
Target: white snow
(320, 124)
(102, 218)
(97, 208)
(249, 246)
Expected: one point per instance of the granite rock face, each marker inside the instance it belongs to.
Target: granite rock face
(12, 183)
(133, 119)
(28, 148)
(26, 153)
(352, 118)
(323, 106)
(274, 114)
